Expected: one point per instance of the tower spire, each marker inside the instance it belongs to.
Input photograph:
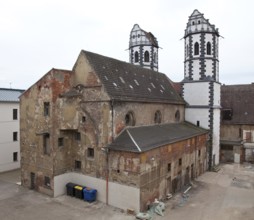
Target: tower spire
(143, 48)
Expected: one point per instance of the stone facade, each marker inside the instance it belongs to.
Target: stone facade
(68, 119)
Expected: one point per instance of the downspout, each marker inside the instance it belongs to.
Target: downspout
(107, 150)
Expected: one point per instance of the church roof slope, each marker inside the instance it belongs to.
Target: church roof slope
(144, 138)
(238, 99)
(127, 82)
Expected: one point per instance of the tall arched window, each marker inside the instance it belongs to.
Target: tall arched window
(146, 56)
(196, 48)
(136, 56)
(208, 48)
(157, 117)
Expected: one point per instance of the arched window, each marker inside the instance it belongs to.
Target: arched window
(198, 21)
(177, 116)
(146, 56)
(193, 23)
(129, 119)
(196, 48)
(208, 48)
(157, 117)
(136, 56)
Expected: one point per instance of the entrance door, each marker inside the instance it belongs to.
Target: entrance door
(32, 177)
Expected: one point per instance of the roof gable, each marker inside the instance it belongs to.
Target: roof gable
(127, 82)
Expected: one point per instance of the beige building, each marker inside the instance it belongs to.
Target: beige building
(112, 126)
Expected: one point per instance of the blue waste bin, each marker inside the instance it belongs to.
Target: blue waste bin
(89, 194)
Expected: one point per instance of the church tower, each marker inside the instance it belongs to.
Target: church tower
(143, 48)
(201, 87)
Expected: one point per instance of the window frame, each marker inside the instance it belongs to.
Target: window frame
(77, 165)
(90, 152)
(15, 114)
(208, 48)
(196, 49)
(136, 57)
(129, 119)
(47, 181)
(46, 109)
(157, 117)
(146, 56)
(15, 156)
(60, 142)
(15, 136)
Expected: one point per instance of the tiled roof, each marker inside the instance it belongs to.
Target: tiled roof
(10, 95)
(239, 98)
(127, 82)
(144, 138)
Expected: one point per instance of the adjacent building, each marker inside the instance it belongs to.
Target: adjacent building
(9, 125)
(237, 123)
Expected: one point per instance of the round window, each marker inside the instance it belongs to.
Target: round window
(129, 119)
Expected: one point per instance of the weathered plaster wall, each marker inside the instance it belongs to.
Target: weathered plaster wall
(34, 124)
(144, 113)
(157, 172)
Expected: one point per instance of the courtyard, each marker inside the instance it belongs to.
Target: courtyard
(226, 194)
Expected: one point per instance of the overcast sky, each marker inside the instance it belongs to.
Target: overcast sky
(36, 36)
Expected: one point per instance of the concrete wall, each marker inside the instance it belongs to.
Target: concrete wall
(7, 145)
(120, 196)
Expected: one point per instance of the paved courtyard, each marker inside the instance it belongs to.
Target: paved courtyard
(227, 194)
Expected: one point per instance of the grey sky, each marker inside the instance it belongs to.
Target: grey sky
(36, 36)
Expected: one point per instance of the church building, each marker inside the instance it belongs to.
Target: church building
(122, 128)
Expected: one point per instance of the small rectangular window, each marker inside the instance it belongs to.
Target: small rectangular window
(169, 167)
(77, 136)
(46, 146)
(15, 156)
(199, 153)
(90, 152)
(77, 165)
(60, 142)
(46, 109)
(47, 181)
(15, 114)
(180, 162)
(15, 136)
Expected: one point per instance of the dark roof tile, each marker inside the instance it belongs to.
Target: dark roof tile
(144, 138)
(127, 82)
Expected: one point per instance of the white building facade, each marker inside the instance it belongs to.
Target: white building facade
(9, 126)
(201, 86)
